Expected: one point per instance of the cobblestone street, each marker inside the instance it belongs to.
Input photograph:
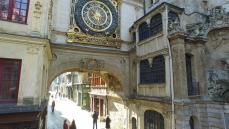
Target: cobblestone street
(66, 109)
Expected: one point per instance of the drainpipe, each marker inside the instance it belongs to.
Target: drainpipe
(171, 86)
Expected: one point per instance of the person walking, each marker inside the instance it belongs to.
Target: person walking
(65, 126)
(73, 125)
(53, 105)
(95, 117)
(108, 121)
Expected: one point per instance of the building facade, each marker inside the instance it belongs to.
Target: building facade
(165, 62)
(25, 57)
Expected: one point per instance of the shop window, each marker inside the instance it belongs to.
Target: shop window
(9, 80)
(143, 31)
(153, 120)
(14, 10)
(154, 73)
(156, 25)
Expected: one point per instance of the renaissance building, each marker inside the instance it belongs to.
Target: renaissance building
(153, 64)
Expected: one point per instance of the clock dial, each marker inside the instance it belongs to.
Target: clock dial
(95, 16)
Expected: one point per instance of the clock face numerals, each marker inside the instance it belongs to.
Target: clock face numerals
(96, 15)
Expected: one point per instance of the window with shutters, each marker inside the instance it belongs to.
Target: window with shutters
(9, 80)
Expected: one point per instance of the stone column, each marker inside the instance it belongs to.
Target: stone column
(177, 44)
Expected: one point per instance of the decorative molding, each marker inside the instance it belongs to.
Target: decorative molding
(75, 36)
(38, 10)
(32, 50)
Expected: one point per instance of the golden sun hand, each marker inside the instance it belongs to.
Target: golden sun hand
(97, 16)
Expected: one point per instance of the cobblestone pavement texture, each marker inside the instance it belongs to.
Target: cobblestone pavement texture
(67, 109)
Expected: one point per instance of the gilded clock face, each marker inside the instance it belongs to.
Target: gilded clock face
(96, 16)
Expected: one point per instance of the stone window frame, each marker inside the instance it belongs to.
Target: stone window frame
(14, 11)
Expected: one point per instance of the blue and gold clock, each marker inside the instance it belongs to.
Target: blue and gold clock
(96, 16)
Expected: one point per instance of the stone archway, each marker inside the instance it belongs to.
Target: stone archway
(68, 58)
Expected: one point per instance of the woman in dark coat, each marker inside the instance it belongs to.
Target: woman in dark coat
(73, 125)
(65, 126)
(108, 121)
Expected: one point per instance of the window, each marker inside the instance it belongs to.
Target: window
(154, 73)
(153, 120)
(9, 80)
(191, 123)
(143, 31)
(155, 25)
(134, 123)
(145, 72)
(96, 80)
(14, 10)
(188, 59)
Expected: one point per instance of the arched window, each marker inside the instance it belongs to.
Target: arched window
(145, 72)
(154, 73)
(158, 68)
(143, 31)
(193, 123)
(134, 123)
(153, 120)
(155, 25)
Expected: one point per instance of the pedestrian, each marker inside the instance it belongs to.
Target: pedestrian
(108, 121)
(95, 117)
(73, 125)
(65, 126)
(53, 105)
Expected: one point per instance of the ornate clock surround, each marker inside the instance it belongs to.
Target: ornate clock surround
(82, 33)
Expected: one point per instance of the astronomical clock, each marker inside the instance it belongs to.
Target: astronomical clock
(95, 22)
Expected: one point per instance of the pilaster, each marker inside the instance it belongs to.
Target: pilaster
(177, 44)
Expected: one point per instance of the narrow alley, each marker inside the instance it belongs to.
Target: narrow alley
(67, 109)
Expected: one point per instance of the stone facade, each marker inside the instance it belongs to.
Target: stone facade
(190, 37)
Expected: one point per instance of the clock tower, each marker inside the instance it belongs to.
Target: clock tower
(95, 22)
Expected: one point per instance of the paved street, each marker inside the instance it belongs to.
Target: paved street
(66, 109)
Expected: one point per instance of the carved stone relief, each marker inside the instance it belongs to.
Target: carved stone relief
(218, 18)
(173, 23)
(91, 64)
(218, 84)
